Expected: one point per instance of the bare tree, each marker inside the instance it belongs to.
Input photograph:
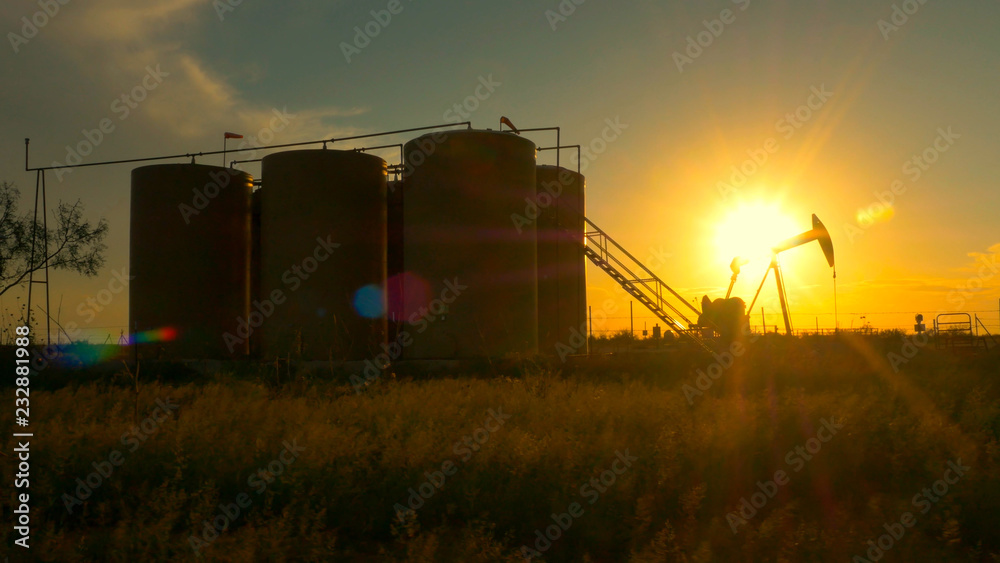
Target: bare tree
(74, 244)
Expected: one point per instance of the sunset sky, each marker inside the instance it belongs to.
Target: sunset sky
(884, 86)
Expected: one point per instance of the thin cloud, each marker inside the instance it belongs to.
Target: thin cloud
(117, 41)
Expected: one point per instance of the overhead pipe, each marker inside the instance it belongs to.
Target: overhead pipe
(400, 145)
(233, 163)
(356, 149)
(577, 147)
(556, 129)
(192, 156)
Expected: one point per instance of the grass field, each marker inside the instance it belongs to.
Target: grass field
(614, 458)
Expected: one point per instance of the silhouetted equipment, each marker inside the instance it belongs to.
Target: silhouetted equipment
(190, 257)
(157, 245)
(650, 290)
(323, 247)
(919, 326)
(481, 262)
(986, 333)
(726, 316)
(958, 333)
(39, 250)
(954, 331)
(817, 233)
(460, 203)
(562, 277)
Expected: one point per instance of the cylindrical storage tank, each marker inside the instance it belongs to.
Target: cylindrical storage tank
(323, 255)
(190, 257)
(562, 275)
(469, 256)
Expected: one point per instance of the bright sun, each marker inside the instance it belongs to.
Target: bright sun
(750, 230)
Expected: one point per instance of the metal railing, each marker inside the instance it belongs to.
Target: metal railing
(646, 287)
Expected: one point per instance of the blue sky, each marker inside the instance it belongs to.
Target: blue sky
(655, 188)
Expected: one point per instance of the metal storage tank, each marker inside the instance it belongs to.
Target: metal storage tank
(469, 279)
(190, 257)
(562, 274)
(323, 254)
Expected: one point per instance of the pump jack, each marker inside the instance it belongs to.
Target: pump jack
(817, 233)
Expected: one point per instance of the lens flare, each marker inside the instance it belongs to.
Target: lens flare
(165, 334)
(369, 301)
(408, 292)
(875, 213)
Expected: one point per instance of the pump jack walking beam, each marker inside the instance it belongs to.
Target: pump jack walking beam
(818, 233)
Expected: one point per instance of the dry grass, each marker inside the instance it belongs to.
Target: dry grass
(363, 452)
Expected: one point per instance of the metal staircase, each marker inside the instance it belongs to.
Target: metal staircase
(646, 287)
